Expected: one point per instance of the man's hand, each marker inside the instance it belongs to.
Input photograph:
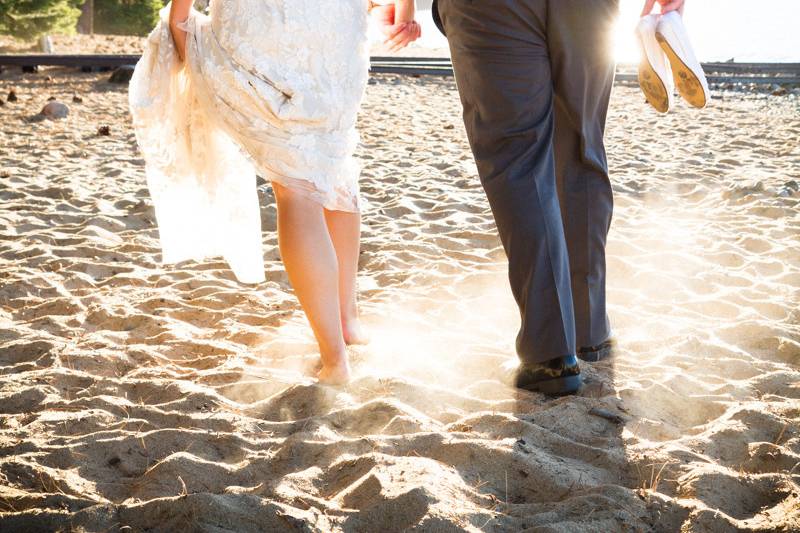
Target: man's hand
(666, 6)
(397, 35)
(407, 33)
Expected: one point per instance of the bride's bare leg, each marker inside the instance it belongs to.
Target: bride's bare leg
(310, 261)
(345, 232)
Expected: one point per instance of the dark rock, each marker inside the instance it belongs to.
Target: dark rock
(780, 91)
(12, 96)
(608, 415)
(121, 74)
(51, 98)
(104, 130)
(77, 99)
(30, 69)
(523, 446)
(790, 189)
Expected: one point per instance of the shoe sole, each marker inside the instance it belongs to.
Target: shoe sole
(687, 82)
(653, 87)
(557, 387)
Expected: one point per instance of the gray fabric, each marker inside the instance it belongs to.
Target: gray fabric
(535, 78)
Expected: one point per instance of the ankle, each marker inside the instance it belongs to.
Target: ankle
(349, 314)
(354, 332)
(334, 357)
(335, 375)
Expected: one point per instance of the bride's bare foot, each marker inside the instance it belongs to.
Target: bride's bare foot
(335, 375)
(335, 367)
(354, 332)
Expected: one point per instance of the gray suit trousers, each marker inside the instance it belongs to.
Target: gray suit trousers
(535, 77)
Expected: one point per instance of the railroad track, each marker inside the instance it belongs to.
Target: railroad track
(758, 73)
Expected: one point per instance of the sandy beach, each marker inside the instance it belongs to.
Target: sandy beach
(141, 397)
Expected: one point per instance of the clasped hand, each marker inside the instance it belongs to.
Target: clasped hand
(666, 6)
(398, 33)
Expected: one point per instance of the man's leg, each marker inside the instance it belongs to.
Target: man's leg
(579, 35)
(500, 57)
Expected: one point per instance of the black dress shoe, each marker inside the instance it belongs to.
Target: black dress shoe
(593, 354)
(554, 377)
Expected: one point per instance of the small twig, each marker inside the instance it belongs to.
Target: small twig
(608, 415)
(506, 473)
(654, 481)
(6, 503)
(157, 463)
(780, 435)
(487, 522)
(479, 483)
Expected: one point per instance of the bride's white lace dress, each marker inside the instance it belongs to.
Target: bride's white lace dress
(268, 86)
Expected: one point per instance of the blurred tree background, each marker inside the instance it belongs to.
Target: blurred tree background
(126, 17)
(29, 19)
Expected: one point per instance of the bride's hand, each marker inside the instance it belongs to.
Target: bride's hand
(666, 6)
(408, 33)
(179, 12)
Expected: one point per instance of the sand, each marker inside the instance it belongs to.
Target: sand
(136, 396)
(76, 44)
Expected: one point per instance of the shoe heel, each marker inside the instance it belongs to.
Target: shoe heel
(593, 357)
(653, 88)
(560, 386)
(689, 85)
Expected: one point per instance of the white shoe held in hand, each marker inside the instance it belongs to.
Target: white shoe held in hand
(655, 77)
(686, 69)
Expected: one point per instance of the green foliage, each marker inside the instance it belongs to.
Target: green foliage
(126, 17)
(28, 19)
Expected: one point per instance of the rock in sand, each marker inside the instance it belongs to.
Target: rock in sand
(55, 110)
(121, 74)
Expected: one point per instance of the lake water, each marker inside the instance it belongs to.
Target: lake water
(743, 30)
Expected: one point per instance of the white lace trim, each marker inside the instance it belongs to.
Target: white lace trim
(271, 86)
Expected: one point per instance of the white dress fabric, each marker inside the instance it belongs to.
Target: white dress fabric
(268, 86)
